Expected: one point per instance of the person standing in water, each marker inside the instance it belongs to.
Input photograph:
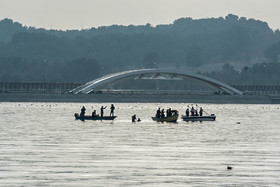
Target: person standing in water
(133, 118)
(112, 110)
(102, 110)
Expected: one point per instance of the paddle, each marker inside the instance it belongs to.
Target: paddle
(203, 110)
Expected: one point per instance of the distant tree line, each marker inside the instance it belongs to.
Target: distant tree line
(31, 54)
(259, 74)
(17, 69)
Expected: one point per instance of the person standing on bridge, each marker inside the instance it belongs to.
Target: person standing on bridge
(102, 110)
(112, 110)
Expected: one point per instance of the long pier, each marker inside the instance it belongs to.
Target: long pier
(60, 88)
(260, 90)
(36, 87)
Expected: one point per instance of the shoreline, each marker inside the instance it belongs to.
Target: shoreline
(118, 98)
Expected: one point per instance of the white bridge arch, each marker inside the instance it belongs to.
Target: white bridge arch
(153, 74)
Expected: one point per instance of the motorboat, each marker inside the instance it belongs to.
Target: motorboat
(172, 118)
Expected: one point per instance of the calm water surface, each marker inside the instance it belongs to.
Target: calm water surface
(41, 144)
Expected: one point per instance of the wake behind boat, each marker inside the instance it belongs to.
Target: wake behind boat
(77, 116)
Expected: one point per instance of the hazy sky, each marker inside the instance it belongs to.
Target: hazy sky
(78, 14)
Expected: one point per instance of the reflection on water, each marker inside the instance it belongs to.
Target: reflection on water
(42, 145)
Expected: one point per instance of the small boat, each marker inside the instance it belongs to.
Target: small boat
(77, 116)
(172, 118)
(211, 117)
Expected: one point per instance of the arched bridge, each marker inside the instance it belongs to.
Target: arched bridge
(152, 74)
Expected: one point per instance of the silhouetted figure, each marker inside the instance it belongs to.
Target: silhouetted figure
(158, 113)
(133, 118)
(83, 111)
(196, 113)
(201, 111)
(168, 112)
(112, 110)
(229, 167)
(162, 115)
(102, 110)
(93, 113)
(187, 112)
(138, 120)
(192, 111)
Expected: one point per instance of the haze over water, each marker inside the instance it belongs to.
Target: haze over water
(41, 144)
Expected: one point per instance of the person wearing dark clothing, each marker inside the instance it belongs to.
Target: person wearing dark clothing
(187, 112)
(94, 113)
(102, 110)
(133, 118)
(112, 110)
(158, 113)
(192, 111)
(162, 115)
(83, 111)
(201, 111)
(168, 112)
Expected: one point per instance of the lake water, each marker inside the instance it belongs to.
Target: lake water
(41, 144)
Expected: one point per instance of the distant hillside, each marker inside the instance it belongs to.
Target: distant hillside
(184, 43)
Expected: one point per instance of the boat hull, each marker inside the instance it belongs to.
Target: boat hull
(166, 119)
(78, 117)
(212, 117)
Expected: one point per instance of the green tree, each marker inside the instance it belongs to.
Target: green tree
(79, 70)
(273, 52)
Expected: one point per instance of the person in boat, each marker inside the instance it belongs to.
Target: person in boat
(93, 113)
(192, 111)
(158, 113)
(187, 112)
(168, 112)
(112, 110)
(133, 118)
(196, 113)
(102, 110)
(200, 111)
(83, 111)
(162, 115)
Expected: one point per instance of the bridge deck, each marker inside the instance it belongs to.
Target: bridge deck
(59, 88)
